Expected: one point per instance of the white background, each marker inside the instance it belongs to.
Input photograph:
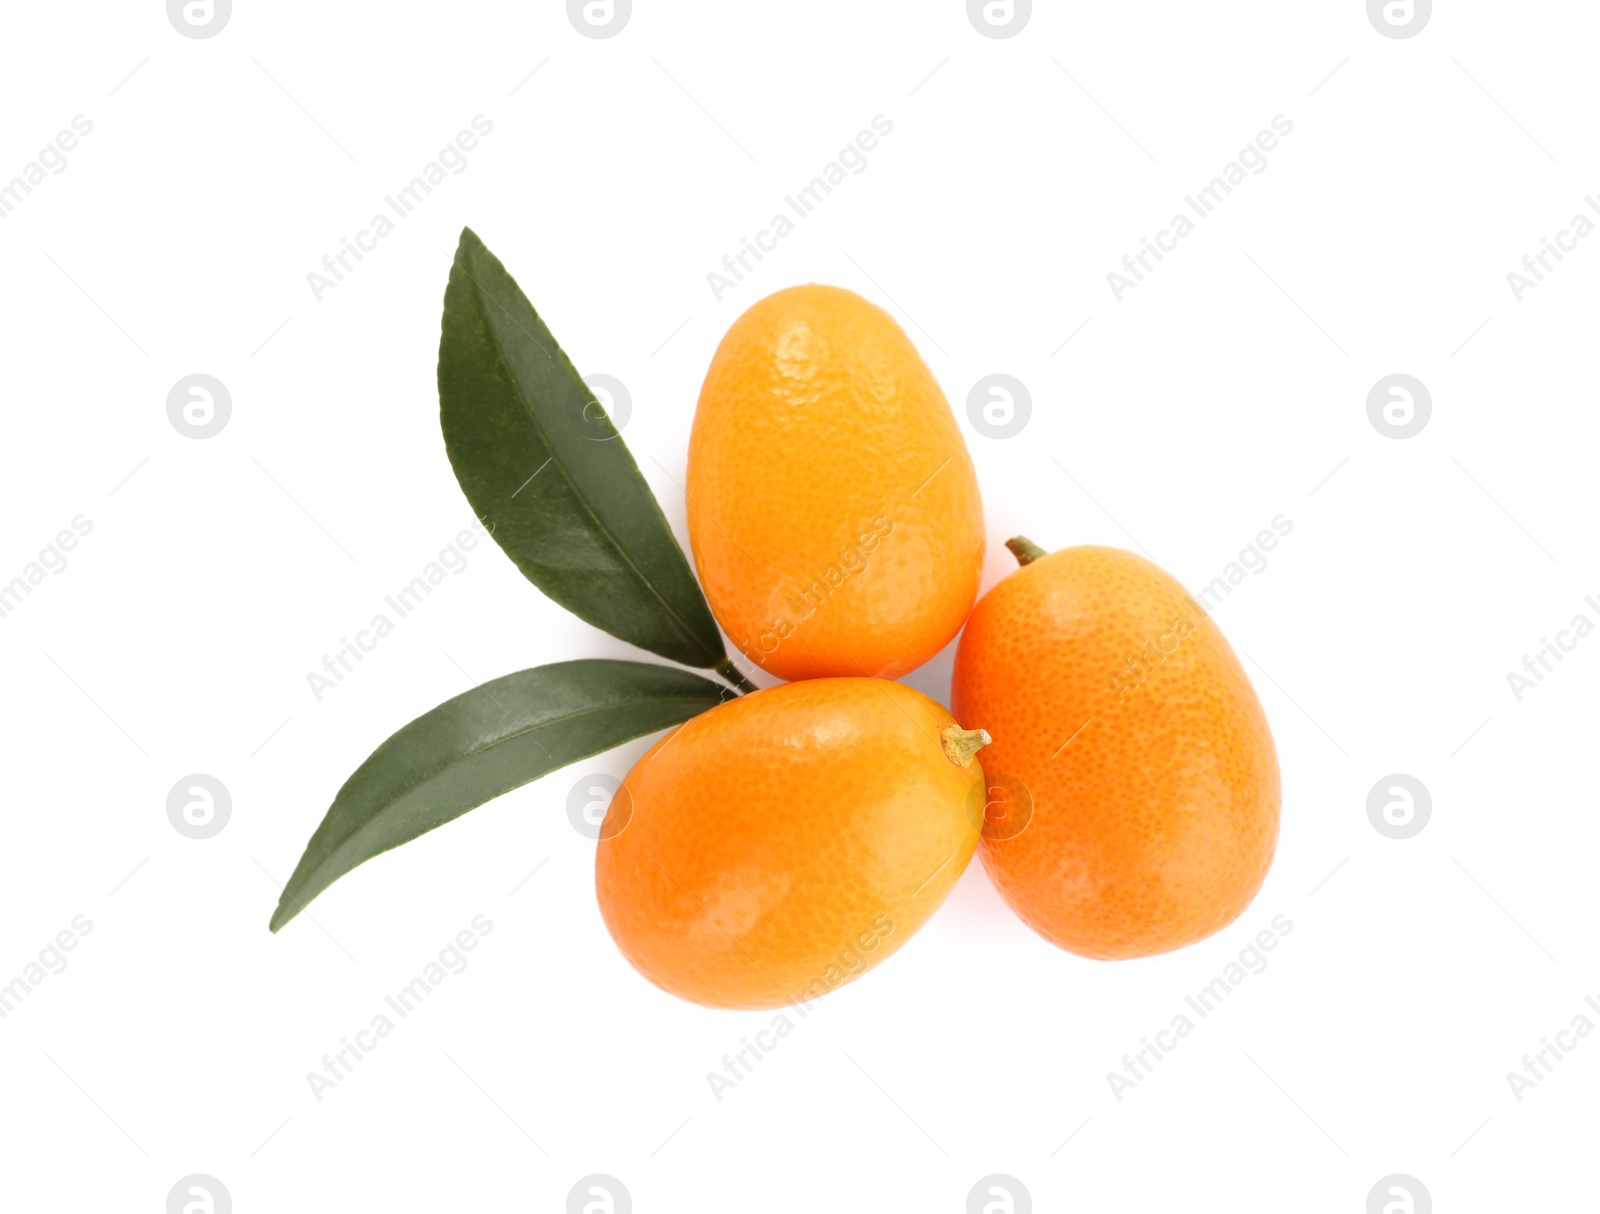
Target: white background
(1227, 389)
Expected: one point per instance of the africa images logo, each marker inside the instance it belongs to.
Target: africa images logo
(599, 18)
(199, 1194)
(1399, 18)
(1399, 1194)
(599, 1194)
(999, 18)
(999, 1194)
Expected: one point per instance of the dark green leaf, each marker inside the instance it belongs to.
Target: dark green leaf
(482, 743)
(544, 469)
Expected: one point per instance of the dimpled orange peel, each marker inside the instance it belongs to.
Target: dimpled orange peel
(1118, 707)
(833, 508)
(785, 842)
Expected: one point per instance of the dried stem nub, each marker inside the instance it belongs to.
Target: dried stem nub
(961, 744)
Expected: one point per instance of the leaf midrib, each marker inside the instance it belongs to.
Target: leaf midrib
(583, 500)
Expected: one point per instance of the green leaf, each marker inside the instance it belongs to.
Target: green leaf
(483, 743)
(543, 467)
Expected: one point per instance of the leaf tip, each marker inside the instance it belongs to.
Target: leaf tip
(282, 914)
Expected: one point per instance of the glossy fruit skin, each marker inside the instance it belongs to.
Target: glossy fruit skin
(833, 507)
(785, 842)
(1155, 825)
